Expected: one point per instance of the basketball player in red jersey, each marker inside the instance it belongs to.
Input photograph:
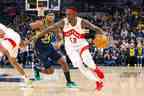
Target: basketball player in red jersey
(10, 41)
(76, 45)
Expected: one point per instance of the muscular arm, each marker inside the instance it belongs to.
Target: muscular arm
(59, 41)
(53, 28)
(87, 24)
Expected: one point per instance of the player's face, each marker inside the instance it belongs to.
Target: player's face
(71, 14)
(50, 18)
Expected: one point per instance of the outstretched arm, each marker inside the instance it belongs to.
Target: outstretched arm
(89, 25)
(53, 28)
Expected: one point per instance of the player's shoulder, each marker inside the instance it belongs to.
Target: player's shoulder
(3, 27)
(11, 31)
(83, 21)
(64, 19)
(6, 29)
(60, 23)
(78, 17)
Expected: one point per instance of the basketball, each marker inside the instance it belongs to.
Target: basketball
(101, 41)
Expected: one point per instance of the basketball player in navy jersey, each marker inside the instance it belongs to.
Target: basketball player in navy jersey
(46, 50)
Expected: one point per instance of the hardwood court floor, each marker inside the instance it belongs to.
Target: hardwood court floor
(119, 81)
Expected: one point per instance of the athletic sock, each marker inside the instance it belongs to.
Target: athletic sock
(37, 71)
(67, 76)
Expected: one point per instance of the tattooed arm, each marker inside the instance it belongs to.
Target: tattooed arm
(53, 28)
(89, 25)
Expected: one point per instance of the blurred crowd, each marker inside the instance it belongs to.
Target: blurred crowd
(126, 34)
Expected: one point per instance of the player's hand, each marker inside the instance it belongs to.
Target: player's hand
(37, 24)
(24, 43)
(2, 34)
(58, 45)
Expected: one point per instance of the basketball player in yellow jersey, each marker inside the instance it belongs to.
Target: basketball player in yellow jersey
(76, 46)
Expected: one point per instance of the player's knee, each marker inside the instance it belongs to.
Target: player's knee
(13, 61)
(61, 61)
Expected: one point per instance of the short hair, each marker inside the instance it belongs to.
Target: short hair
(73, 8)
(50, 14)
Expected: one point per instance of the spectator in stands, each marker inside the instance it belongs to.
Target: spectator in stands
(123, 54)
(124, 33)
(132, 54)
(139, 52)
(115, 57)
(140, 33)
